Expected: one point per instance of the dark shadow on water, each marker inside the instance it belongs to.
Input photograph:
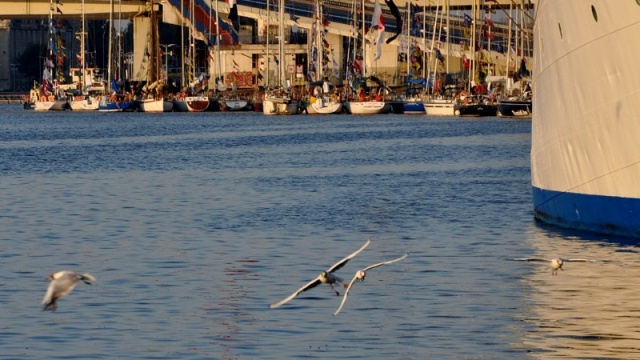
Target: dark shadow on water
(554, 231)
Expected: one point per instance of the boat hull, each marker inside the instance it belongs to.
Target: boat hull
(584, 150)
(55, 105)
(476, 110)
(280, 106)
(439, 107)
(236, 105)
(323, 106)
(150, 105)
(515, 108)
(366, 107)
(88, 103)
(413, 107)
(191, 104)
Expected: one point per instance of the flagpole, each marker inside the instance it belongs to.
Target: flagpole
(181, 43)
(364, 46)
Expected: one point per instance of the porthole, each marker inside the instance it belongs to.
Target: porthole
(560, 28)
(595, 13)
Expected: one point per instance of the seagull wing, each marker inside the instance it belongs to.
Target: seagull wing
(342, 262)
(578, 260)
(49, 295)
(531, 259)
(384, 263)
(346, 293)
(310, 285)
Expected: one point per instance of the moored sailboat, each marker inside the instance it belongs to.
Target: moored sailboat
(50, 95)
(280, 100)
(365, 102)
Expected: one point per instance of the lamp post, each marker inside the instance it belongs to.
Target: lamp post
(166, 48)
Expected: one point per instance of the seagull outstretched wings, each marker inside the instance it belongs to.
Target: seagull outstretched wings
(326, 277)
(360, 275)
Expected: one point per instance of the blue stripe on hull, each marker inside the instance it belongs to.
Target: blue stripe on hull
(602, 214)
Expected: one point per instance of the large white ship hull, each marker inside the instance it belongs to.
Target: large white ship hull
(585, 158)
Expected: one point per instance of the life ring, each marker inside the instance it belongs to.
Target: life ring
(334, 97)
(51, 98)
(79, 98)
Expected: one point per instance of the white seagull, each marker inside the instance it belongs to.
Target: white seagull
(325, 277)
(556, 264)
(61, 285)
(360, 275)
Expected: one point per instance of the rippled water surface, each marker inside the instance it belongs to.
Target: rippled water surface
(194, 223)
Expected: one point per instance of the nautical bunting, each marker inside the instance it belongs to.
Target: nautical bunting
(396, 13)
(233, 15)
(377, 21)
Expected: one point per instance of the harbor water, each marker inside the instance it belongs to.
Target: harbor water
(194, 223)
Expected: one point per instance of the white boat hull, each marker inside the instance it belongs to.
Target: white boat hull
(365, 107)
(585, 158)
(280, 106)
(321, 106)
(54, 105)
(236, 105)
(438, 107)
(151, 105)
(85, 104)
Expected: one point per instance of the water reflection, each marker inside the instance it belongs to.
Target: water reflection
(590, 310)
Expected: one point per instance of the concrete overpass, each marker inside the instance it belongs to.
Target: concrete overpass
(70, 9)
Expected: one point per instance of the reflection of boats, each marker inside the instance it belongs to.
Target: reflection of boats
(584, 150)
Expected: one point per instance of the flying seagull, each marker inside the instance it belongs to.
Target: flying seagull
(61, 285)
(556, 264)
(360, 275)
(325, 277)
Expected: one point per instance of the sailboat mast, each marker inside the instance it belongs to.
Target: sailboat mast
(408, 39)
(110, 55)
(448, 35)
(267, 62)
(281, 76)
(364, 45)
(181, 43)
(82, 49)
(218, 64)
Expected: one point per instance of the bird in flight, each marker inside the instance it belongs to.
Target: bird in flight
(360, 275)
(61, 285)
(556, 264)
(325, 277)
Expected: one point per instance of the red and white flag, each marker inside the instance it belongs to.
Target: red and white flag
(377, 21)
